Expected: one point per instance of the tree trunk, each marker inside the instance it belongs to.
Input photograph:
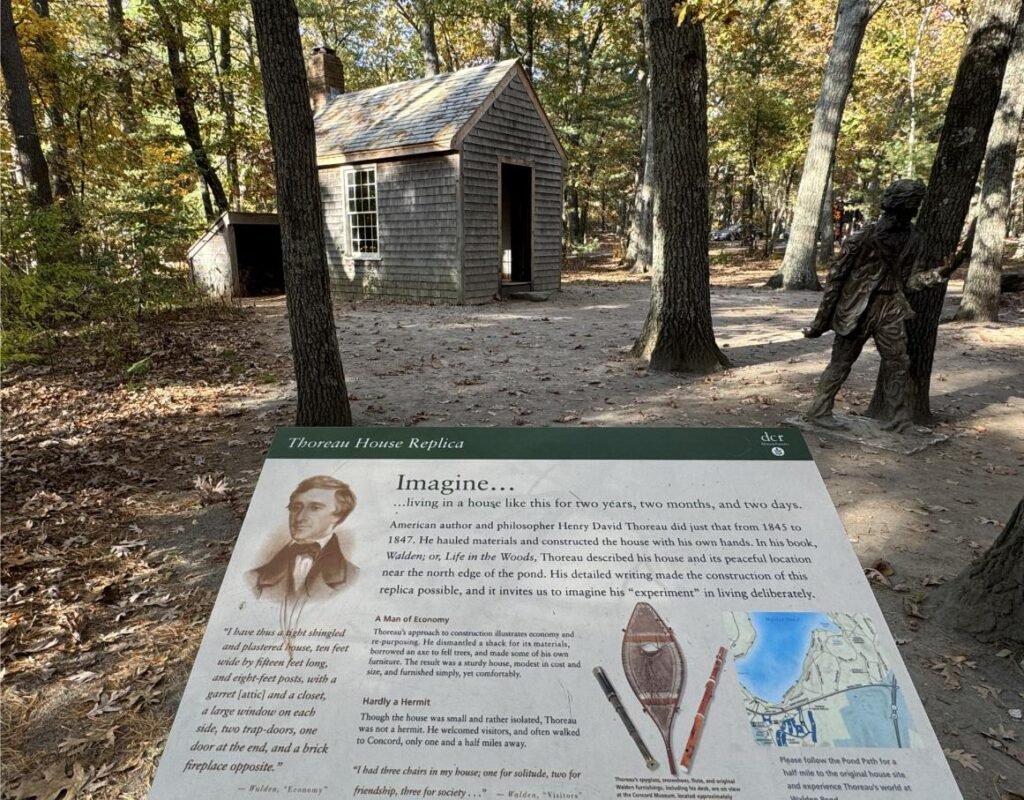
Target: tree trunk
(574, 219)
(961, 149)
(911, 170)
(747, 206)
(529, 49)
(319, 376)
(728, 198)
(1015, 224)
(22, 119)
(126, 108)
(431, 61)
(826, 229)
(981, 289)
(220, 57)
(228, 104)
(638, 253)
(174, 41)
(59, 161)
(420, 15)
(987, 598)
(678, 333)
(503, 38)
(798, 264)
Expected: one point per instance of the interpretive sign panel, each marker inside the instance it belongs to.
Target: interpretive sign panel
(559, 614)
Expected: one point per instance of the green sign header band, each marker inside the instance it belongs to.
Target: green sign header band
(591, 444)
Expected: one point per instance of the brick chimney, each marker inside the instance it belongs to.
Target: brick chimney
(325, 75)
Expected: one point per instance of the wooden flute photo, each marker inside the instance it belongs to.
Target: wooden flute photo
(702, 712)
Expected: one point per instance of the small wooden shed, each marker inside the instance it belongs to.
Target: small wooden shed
(447, 188)
(239, 256)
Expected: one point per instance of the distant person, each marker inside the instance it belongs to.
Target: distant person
(311, 565)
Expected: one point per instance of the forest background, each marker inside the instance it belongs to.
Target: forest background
(152, 121)
(134, 434)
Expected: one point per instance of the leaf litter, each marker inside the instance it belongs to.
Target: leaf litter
(91, 634)
(94, 460)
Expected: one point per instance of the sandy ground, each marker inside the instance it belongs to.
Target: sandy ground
(567, 362)
(564, 362)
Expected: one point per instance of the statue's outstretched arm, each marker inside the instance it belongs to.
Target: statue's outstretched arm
(924, 278)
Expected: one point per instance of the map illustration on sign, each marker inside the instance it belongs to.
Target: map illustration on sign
(812, 679)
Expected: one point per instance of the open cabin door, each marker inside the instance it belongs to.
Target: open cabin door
(516, 224)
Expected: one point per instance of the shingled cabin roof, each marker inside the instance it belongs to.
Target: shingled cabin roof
(418, 116)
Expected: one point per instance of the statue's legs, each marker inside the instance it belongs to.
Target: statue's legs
(891, 341)
(845, 350)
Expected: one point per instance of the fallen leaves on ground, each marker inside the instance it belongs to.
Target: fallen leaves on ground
(55, 783)
(96, 463)
(1001, 732)
(964, 759)
(952, 669)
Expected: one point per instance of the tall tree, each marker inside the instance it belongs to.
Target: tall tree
(798, 264)
(423, 18)
(826, 227)
(122, 46)
(50, 55)
(678, 333)
(969, 114)
(31, 162)
(173, 37)
(222, 64)
(987, 598)
(981, 288)
(915, 55)
(319, 376)
(583, 40)
(638, 249)
(228, 104)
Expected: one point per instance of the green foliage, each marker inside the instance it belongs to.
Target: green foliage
(94, 272)
(759, 108)
(908, 60)
(721, 13)
(140, 368)
(113, 248)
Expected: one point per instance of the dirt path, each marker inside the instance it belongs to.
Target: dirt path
(122, 497)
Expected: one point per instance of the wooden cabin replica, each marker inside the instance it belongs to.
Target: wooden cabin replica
(447, 188)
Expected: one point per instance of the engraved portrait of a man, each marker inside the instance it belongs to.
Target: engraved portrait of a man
(311, 566)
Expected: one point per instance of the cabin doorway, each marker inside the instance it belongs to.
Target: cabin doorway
(516, 224)
(260, 263)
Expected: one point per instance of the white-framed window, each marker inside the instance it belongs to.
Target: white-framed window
(361, 211)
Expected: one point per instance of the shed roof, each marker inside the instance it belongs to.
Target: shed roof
(418, 116)
(231, 218)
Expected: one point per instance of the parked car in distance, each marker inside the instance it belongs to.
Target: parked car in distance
(737, 232)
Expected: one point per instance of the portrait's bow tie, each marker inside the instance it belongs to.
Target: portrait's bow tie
(311, 549)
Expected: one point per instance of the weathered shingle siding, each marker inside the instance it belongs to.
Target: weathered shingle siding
(512, 130)
(211, 266)
(416, 229)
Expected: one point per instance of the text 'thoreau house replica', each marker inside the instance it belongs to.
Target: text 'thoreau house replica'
(446, 188)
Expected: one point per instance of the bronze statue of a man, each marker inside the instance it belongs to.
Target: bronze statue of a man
(865, 298)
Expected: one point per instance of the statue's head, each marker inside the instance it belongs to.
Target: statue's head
(903, 197)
